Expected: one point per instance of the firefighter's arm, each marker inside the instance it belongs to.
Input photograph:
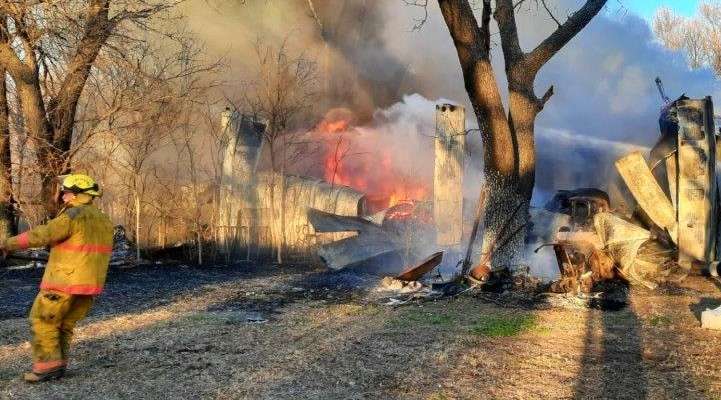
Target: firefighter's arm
(56, 230)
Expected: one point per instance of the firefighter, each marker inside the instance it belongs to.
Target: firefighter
(81, 241)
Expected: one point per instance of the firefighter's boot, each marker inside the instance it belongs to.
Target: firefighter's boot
(35, 377)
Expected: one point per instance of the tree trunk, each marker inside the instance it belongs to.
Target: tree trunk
(199, 240)
(507, 151)
(274, 230)
(505, 219)
(196, 200)
(39, 131)
(508, 141)
(137, 226)
(7, 211)
(281, 242)
(510, 191)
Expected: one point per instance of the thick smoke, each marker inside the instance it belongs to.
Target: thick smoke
(345, 39)
(605, 101)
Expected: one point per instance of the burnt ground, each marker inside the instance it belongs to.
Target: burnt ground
(163, 332)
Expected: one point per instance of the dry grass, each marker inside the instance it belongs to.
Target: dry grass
(319, 347)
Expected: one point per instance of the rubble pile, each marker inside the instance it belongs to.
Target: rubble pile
(658, 225)
(665, 223)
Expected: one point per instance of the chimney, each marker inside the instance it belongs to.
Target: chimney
(450, 142)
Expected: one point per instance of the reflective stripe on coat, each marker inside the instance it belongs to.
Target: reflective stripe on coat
(81, 243)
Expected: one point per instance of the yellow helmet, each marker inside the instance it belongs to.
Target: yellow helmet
(80, 183)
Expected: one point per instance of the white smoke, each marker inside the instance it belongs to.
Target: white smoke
(605, 100)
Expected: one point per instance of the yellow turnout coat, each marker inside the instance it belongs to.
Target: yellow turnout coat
(81, 242)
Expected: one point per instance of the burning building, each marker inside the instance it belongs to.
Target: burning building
(260, 211)
(359, 210)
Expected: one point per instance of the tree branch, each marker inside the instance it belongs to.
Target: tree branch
(485, 27)
(423, 4)
(21, 34)
(316, 18)
(143, 13)
(550, 13)
(546, 96)
(518, 3)
(565, 32)
(10, 60)
(506, 19)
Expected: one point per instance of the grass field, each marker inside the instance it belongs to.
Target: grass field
(326, 343)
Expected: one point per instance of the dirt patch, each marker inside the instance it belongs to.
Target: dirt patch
(318, 340)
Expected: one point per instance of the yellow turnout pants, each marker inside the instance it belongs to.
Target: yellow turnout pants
(52, 319)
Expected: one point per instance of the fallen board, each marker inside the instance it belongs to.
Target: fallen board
(372, 242)
(415, 272)
(649, 195)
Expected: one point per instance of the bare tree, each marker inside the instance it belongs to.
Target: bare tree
(699, 36)
(508, 134)
(185, 144)
(7, 219)
(282, 96)
(51, 50)
(135, 105)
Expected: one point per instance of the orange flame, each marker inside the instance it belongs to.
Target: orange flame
(384, 182)
(334, 126)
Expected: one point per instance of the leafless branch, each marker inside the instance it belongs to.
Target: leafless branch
(550, 13)
(420, 21)
(316, 17)
(562, 35)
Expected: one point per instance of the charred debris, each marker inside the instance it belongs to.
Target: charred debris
(663, 225)
(659, 225)
(656, 224)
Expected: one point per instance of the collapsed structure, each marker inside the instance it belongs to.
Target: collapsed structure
(261, 211)
(666, 224)
(661, 226)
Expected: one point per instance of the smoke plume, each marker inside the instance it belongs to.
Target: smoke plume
(605, 101)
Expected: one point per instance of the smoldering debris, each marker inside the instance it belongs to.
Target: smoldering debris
(672, 230)
(593, 245)
(369, 242)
